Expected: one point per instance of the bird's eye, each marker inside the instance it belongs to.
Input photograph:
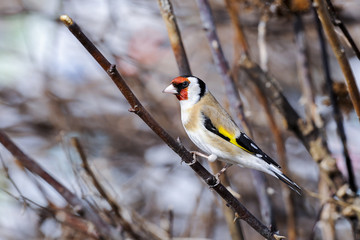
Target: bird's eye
(185, 84)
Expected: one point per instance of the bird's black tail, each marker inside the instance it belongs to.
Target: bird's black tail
(286, 180)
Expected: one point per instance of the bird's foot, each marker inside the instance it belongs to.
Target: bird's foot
(194, 159)
(227, 165)
(210, 158)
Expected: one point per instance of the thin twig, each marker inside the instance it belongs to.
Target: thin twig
(337, 22)
(335, 106)
(137, 108)
(339, 52)
(71, 198)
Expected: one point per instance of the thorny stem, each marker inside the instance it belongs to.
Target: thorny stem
(339, 52)
(171, 142)
(335, 106)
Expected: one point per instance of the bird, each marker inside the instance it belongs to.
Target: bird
(212, 130)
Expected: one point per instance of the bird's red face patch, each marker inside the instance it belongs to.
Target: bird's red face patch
(181, 84)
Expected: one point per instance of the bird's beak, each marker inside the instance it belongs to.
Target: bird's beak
(170, 89)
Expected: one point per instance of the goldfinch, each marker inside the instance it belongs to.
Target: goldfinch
(212, 129)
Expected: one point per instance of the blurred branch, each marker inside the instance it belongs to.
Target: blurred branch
(60, 215)
(280, 145)
(185, 155)
(307, 132)
(262, 41)
(303, 69)
(335, 106)
(175, 37)
(236, 105)
(103, 228)
(232, 8)
(235, 229)
(339, 52)
(337, 22)
(132, 227)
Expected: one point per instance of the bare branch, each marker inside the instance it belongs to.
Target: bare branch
(174, 36)
(232, 94)
(186, 156)
(337, 22)
(339, 52)
(303, 69)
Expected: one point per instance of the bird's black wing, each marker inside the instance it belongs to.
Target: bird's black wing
(242, 141)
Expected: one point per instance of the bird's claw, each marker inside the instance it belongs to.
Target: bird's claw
(194, 159)
(227, 165)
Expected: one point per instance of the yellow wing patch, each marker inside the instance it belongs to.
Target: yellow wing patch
(232, 138)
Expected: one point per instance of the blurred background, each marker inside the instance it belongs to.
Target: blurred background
(52, 90)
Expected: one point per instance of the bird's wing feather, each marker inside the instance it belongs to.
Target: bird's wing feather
(220, 123)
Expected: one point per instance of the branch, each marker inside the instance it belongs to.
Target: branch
(337, 22)
(103, 228)
(335, 106)
(304, 74)
(174, 36)
(339, 52)
(185, 155)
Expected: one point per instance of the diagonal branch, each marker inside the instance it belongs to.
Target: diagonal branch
(185, 155)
